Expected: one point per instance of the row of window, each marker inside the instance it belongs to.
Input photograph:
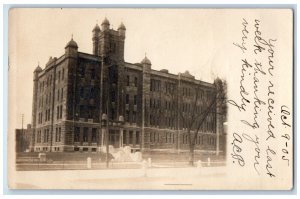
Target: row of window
(46, 134)
(48, 82)
(130, 138)
(128, 81)
(59, 112)
(87, 92)
(84, 134)
(47, 115)
(60, 95)
(170, 137)
(127, 97)
(83, 72)
(40, 118)
(86, 111)
(169, 122)
(156, 103)
(132, 118)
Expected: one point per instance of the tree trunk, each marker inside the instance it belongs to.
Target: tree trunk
(191, 156)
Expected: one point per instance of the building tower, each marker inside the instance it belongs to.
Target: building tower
(146, 64)
(36, 72)
(96, 34)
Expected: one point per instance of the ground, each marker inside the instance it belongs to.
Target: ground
(150, 178)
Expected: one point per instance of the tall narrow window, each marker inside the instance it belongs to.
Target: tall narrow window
(93, 74)
(135, 81)
(94, 135)
(133, 116)
(58, 95)
(77, 134)
(127, 99)
(127, 116)
(56, 134)
(130, 137)
(58, 76)
(62, 94)
(63, 73)
(60, 115)
(59, 134)
(127, 80)
(81, 92)
(82, 71)
(57, 112)
(85, 134)
(137, 136)
(135, 100)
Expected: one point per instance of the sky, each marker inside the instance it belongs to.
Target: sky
(197, 40)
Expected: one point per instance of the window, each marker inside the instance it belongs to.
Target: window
(81, 111)
(127, 116)
(58, 95)
(92, 92)
(91, 110)
(46, 115)
(39, 137)
(63, 73)
(124, 137)
(93, 74)
(127, 99)
(85, 134)
(137, 136)
(62, 94)
(135, 81)
(77, 134)
(57, 112)
(60, 115)
(58, 76)
(135, 100)
(133, 116)
(127, 80)
(59, 134)
(45, 135)
(82, 71)
(82, 92)
(130, 137)
(56, 134)
(94, 135)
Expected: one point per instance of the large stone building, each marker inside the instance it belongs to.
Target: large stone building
(78, 97)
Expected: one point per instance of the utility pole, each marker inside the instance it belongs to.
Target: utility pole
(22, 134)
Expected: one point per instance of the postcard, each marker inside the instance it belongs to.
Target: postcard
(150, 99)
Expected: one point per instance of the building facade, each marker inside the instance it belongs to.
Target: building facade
(82, 101)
(23, 139)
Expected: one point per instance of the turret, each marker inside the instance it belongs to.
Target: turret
(105, 24)
(71, 48)
(146, 64)
(122, 30)
(96, 34)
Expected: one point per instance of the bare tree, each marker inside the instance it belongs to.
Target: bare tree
(193, 120)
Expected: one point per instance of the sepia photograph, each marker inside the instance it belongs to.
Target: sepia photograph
(150, 99)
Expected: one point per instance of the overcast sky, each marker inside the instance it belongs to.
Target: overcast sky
(178, 40)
